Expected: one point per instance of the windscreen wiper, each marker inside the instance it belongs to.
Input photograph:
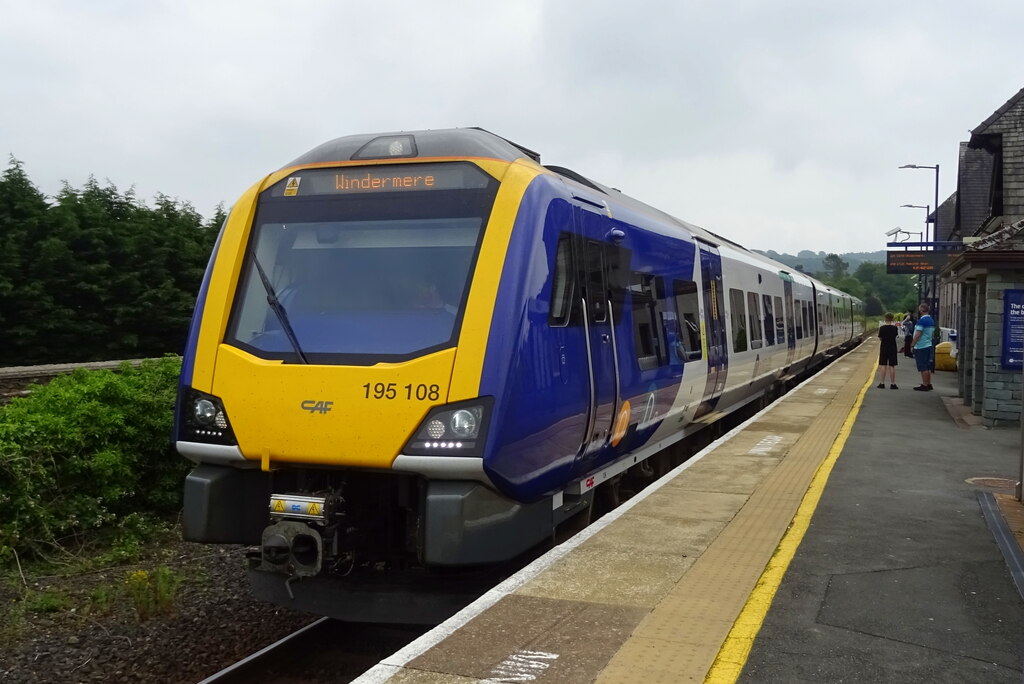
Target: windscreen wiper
(278, 308)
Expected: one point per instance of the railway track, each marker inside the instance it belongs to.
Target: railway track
(325, 651)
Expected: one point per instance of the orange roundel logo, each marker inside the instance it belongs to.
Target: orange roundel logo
(621, 424)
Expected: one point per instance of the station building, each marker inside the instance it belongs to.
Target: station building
(981, 286)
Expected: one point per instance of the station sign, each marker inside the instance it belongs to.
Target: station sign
(920, 262)
(1013, 329)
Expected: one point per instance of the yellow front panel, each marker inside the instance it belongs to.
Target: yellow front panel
(281, 410)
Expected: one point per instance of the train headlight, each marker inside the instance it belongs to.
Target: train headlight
(465, 423)
(453, 430)
(204, 411)
(202, 418)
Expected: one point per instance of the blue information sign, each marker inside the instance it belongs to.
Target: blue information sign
(1013, 329)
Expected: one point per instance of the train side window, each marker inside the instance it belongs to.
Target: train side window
(821, 322)
(738, 319)
(800, 313)
(805, 312)
(561, 284)
(769, 320)
(780, 322)
(756, 341)
(650, 352)
(688, 315)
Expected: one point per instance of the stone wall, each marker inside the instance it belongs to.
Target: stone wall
(997, 390)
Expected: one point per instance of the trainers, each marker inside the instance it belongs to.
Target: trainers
(922, 388)
(929, 386)
(893, 387)
(881, 385)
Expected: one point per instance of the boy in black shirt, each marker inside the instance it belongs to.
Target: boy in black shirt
(887, 352)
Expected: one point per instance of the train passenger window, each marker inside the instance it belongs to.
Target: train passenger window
(821, 321)
(805, 309)
(769, 320)
(688, 315)
(650, 352)
(738, 318)
(780, 322)
(561, 284)
(756, 341)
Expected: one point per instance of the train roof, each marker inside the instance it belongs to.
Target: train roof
(453, 142)
(478, 142)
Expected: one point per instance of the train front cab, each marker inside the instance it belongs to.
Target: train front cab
(336, 330)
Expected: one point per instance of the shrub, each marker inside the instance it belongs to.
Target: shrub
(89, 454)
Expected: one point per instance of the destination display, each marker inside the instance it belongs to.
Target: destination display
(916, 262)
(379, 179)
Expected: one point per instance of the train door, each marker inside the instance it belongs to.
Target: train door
(714, 328)
(787, 300)
(815, 323)
(601, 297)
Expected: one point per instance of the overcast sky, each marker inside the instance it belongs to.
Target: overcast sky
(778, 124)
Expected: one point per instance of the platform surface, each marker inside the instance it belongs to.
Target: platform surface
(835, 536)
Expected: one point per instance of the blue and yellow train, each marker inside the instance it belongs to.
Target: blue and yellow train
(415, 355)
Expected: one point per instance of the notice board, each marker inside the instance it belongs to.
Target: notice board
(1013, 329)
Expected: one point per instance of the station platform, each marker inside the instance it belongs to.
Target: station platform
(839, 535)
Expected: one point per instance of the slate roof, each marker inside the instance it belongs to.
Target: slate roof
(983, 126)
(974, 190)
(947, 219)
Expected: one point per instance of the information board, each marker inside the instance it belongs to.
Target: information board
(1013, 329)
(916, 261)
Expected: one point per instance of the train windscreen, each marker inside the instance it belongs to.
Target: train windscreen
(359, 278)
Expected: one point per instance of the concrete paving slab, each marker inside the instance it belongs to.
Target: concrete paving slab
(527, 638)
(729, 473)
(603, 574)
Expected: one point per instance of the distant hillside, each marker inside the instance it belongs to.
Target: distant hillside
(813, 262)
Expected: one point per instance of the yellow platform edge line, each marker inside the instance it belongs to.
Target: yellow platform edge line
(732, 657)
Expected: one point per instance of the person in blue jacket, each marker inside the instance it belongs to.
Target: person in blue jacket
(924, 348)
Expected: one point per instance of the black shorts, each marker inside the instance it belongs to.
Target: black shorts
(887, 357)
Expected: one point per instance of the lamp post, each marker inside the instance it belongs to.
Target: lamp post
(927, 213)
(935, 231)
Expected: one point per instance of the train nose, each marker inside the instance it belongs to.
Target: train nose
(293, 548)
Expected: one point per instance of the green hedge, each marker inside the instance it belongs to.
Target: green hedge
(88, 458)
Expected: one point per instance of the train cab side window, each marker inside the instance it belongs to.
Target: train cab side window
(561, 284)
(738, 318)
(769, 320)
(650, 352)
(688, 315)
(756, 341)
(780, 322)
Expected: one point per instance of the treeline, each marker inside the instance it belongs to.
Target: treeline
(880, 291)
(95, 274)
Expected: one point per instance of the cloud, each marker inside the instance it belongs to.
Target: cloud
(778, 124)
